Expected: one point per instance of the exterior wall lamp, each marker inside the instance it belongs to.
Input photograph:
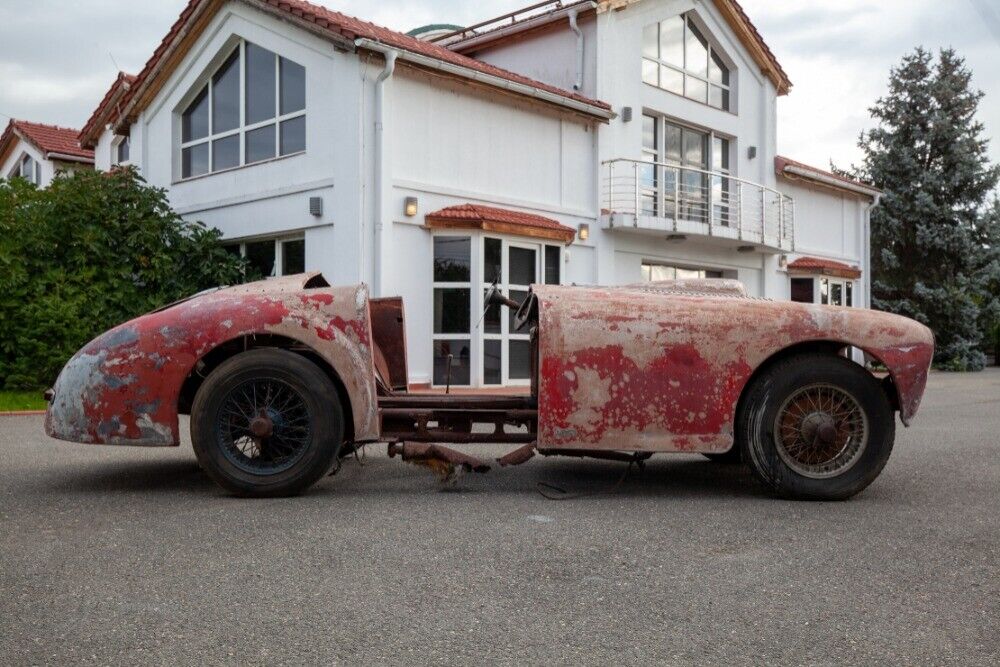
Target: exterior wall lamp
(584, 232)
(410, 206)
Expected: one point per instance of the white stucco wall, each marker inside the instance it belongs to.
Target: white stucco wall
(449, 143)
(270, 197)
(613, 73)
(549, 55)
(103, 158)
(446, 142)
(831, 224)
(749, 122)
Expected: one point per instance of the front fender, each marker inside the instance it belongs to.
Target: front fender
(905, 347)
(123, 387)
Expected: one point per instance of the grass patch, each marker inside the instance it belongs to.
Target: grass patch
(15, 401)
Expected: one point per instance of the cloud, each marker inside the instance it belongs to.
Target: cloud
(57, 57)
(839, 53)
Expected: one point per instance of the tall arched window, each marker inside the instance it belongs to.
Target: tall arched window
(678, 58)
(252, 109)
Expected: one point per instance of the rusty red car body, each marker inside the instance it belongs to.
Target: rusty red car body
(124, 387)
(662, 367)
(657, 367)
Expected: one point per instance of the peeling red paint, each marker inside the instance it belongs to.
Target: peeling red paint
(662, 367)
(123, 387)
(641, 368)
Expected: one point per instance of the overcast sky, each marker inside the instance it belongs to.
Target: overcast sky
(57, 57)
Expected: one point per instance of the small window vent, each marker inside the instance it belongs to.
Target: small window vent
(316, 206)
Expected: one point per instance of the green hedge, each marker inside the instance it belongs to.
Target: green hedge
(90, 251)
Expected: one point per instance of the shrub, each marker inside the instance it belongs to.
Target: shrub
(91, 251)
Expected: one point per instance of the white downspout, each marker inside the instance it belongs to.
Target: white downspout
(573, 13)
(868, 248)
(378, 185)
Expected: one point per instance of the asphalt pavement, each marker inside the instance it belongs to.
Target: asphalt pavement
(132, 556)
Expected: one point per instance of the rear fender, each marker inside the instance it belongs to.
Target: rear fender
(123, 387)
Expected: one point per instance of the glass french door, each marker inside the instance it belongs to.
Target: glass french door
(506, 352)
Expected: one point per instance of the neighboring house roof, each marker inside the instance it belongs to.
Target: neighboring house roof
(790, 168)
(350, 33)
(513, 24)
(499, 220)
(54, 142)
(824, 267)
(113, 99)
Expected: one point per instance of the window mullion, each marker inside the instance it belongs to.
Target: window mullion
(277, 104)
(211, 122)
(684, 45)
(243, 101)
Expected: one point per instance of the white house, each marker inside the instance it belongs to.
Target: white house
(592, 142)
(36, 152)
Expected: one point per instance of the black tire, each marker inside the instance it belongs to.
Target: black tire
(733, 457)
(297, 400)
(859, 421)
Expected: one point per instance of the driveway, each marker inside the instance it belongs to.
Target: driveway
(130, 556)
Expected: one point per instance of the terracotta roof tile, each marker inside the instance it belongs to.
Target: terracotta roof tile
(116, 95)
(492, 218)
(47, 138)
(760, 41)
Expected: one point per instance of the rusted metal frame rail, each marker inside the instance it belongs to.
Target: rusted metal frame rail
(409, 418)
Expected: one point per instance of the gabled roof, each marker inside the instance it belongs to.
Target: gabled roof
(113, 99)
(790, 168)
(754, 42)
(824, 267)
(500, 220)
(347, 31)
(52, 141)
(495, 30)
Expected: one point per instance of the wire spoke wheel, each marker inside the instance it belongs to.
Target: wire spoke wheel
(820, 431)
(263, 426)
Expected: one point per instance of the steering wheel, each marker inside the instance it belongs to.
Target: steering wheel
(492, 294)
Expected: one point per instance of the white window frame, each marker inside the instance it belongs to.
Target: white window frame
(818, 284)
(682, 267)
(829, 283)
(475, 266)
(206, 83)
(720, 213)
(279, 255)
(477, 335)
(686, 73)
(35, 177)
(116, 145)
(506, 335)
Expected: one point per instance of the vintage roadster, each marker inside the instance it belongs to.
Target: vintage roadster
(285, 377)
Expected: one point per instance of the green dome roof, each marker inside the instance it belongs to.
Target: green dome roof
(433, 27)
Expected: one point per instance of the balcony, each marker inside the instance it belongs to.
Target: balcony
(654, 197)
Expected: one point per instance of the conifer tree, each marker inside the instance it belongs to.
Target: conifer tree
(929, 156)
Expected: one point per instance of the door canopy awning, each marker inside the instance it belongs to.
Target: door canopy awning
(500, 221)
(824, 267)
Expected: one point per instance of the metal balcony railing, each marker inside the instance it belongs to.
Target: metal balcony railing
(656, 196)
